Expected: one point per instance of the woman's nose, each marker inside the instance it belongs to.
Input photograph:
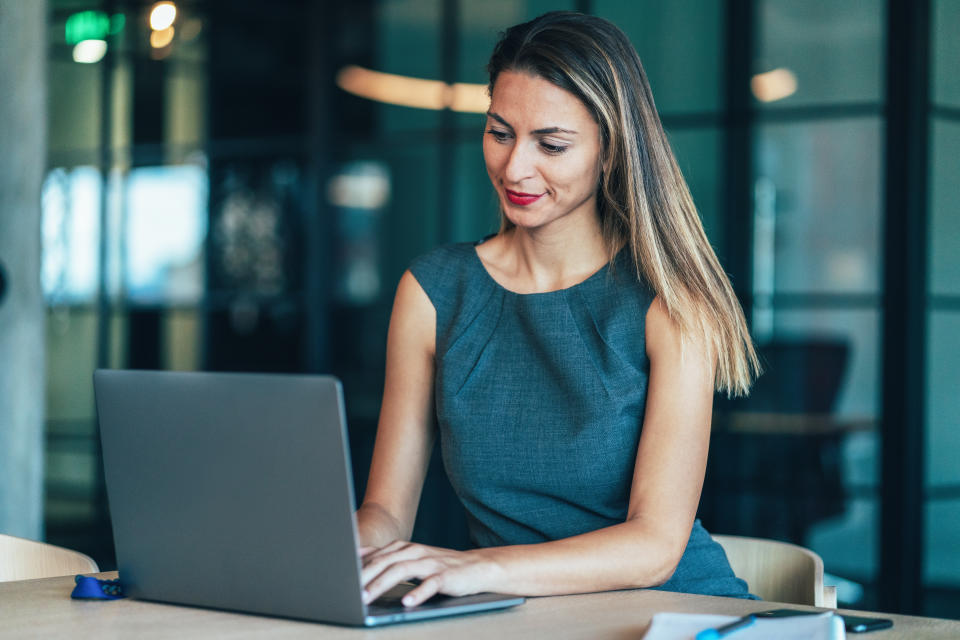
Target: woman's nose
(519, 164)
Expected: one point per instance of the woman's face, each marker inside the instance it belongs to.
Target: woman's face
(542, 150)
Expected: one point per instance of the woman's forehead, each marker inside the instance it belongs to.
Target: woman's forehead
(527, 98)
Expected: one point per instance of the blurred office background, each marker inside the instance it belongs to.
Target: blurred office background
(217, 194)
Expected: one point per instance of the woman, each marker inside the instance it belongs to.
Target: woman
(571, 358)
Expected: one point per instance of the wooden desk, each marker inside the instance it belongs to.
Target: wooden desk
(43, 609)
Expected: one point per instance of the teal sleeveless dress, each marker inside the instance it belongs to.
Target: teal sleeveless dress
(540, 400)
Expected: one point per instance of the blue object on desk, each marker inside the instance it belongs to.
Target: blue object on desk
(727, 629)
(94, 589)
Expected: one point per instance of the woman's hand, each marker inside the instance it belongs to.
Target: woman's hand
(455, 573)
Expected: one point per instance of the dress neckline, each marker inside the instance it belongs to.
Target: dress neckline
(483, 268)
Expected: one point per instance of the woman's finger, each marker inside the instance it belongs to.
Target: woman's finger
(376, 562)
(394, 547)
(395, 574)
(428, 588)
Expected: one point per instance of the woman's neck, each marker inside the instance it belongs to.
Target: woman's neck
(546, 259)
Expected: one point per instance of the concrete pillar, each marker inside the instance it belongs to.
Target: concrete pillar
(23, 44)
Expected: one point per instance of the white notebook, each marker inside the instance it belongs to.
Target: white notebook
(685, 626)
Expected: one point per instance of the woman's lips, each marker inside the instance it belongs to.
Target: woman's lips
(522, 199)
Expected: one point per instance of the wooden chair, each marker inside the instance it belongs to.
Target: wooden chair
(779, 571)
(22, 559)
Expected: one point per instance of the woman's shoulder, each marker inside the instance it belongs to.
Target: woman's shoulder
(622, 286)
(447, 271)
(442, 265)
(453, 279)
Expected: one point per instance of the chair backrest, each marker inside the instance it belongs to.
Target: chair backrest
(802, 374)
(22, 559)
(779, 571)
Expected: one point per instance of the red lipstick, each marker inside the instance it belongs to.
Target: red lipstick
(522, 199)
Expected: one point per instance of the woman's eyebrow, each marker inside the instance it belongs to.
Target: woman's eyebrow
(535, 131)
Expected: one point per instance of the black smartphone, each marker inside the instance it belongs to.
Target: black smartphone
(856, 624)
(853, 624)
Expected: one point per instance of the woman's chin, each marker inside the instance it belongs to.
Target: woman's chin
(522, 219)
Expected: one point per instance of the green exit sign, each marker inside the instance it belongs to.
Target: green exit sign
(93, 25)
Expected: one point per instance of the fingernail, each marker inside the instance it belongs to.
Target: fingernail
(407, 601)
(366, 597)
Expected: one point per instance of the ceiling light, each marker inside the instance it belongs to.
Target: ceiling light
(407, 91)
(774, 85)
(160, 39)
(89, 51)
(162, 15)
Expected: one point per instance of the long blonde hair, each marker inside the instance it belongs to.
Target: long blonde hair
(643, 201)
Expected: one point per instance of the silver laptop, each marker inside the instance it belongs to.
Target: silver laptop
(234, 491)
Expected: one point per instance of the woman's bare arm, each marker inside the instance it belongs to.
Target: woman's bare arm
(405, 432)
(642, 551)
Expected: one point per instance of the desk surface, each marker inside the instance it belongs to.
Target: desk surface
(43, 609)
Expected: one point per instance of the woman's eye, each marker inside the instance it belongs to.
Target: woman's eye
(553, 148)
(499, 136)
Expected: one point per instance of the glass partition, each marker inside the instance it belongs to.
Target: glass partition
(941, 573)
(818, 52)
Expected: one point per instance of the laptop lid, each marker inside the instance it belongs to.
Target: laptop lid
(234, 491)
(231, 491)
